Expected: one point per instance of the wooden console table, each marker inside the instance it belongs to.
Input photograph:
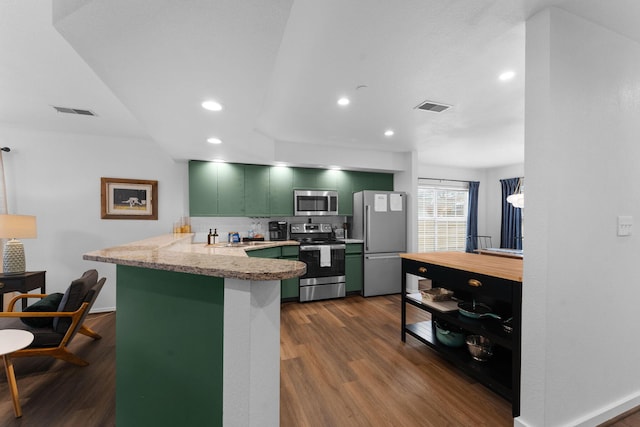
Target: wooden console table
(23, 283)
(492, 280)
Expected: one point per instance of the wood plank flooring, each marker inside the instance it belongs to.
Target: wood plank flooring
(54, 393)
(342, 364)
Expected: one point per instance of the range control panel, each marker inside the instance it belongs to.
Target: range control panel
(306, 227)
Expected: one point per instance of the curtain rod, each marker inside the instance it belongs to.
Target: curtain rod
(440, 179)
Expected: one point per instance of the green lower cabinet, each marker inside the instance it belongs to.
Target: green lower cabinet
(354, 263)
(290, 288)
(265, 253)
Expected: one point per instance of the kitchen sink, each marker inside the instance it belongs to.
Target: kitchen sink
(243, 244)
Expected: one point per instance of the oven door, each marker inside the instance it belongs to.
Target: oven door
(325, 276)
(322, 260)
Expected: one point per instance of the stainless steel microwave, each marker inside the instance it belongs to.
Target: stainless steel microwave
(315, 202)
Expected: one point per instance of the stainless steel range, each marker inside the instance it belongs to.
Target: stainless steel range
(324, 256)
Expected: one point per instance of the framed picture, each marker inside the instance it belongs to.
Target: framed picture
(128, 198)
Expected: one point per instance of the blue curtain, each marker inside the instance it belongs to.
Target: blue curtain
(472, 218)
(511, 230)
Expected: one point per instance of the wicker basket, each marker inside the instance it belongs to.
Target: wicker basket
(437, 294)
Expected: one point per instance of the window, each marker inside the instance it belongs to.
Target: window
(442, 215)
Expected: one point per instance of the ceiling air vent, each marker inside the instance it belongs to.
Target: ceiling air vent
(433, 106)
(74, 111)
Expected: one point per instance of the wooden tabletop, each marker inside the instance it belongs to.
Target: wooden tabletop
(502, 267)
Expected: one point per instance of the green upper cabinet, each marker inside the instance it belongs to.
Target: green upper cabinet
(345, 192)
(371, 181)
(203, 188)
(314, 179)
(350, 182)
(256, 190)
(280, 191)
(231, 189)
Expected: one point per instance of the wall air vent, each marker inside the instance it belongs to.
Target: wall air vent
(433, 106)
(74, 111)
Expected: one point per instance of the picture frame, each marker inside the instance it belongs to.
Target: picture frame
(128, 198)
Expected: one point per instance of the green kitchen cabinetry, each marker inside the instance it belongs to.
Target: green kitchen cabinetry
(314, 179)
(232, 189)
(216, 189)
(289, 287)
(265, 253)
(370, 181)
(345, 192)
(350, 182)
(203, 188)
(353, 264)
(155, 348)
(280, 191)
(256, 190)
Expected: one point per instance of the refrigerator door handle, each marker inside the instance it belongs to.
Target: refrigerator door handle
(382, 256)
(367, 226)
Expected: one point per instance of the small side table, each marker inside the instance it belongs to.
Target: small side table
(23, 282)
(10, 341)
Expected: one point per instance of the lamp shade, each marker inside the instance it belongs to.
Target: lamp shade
(18, 227)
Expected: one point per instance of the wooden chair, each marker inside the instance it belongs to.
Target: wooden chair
(53, 338)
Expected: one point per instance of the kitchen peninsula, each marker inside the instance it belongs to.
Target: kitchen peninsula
(197, 332)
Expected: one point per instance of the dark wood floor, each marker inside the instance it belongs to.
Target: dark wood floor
(58, 394)
(342, 364)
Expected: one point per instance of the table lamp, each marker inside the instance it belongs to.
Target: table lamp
(14, 227)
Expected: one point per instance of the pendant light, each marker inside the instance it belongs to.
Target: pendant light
(517, 198)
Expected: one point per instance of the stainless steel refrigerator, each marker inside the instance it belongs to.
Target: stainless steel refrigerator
(380, 219)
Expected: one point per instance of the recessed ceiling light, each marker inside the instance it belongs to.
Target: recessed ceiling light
(335, 168)
(219, 160)
(281, 164)
(507, 75)
(214, 140)
(212, 105)
(388, 132)
(344, 101)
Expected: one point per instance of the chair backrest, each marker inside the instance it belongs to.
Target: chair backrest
(91, 297)
(73, 298)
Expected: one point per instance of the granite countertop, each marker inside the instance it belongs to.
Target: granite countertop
(353, 240)
(177, 252)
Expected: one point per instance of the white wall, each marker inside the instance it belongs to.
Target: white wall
(580, 350)
(56, 177)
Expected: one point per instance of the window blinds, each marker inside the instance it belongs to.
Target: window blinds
(442, 215)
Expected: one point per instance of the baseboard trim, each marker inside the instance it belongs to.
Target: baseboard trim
(102, 310)
(603, 417)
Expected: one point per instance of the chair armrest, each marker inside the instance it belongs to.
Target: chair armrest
(11, 314)
(15, 299)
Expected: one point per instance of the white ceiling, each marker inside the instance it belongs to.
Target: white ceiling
(278, 67)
